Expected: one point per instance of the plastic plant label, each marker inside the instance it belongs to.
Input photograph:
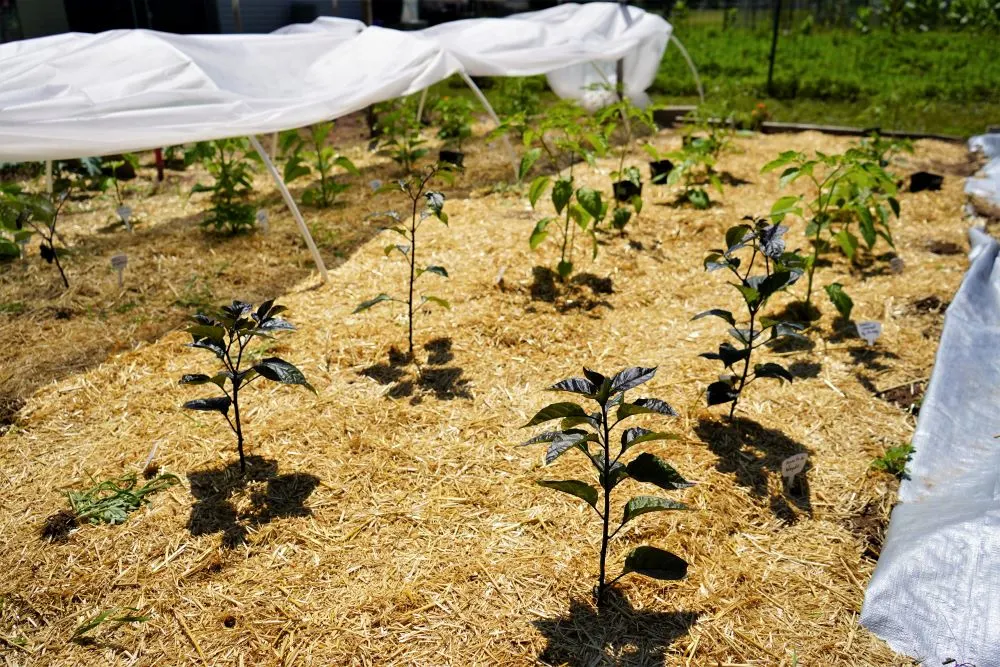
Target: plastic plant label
(118, 263)
(262, 221)
(793, 465)
(125, 213)
(23, 244)
(896, 265)
(869, 330)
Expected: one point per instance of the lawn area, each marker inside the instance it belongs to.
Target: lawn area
(937, 81)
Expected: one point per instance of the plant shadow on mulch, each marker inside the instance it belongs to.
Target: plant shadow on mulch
(752, 453)
(620, 635)
(582, 292)
(216, 488)
(444, 382)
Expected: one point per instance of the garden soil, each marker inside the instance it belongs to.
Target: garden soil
(392, 519)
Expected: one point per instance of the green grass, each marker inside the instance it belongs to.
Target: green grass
(938, 81)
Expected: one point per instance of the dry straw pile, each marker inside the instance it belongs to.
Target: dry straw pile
(392, 520)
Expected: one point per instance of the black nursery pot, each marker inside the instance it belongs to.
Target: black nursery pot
(659, 170)
(452, 157)
(625, 190)
(924, 180)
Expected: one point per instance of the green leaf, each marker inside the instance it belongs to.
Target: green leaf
(645, 504)
(576, 386)
(651, 469)
(574, 487)
(630, 378)
(716, 312)
(637, 435)
(556, 411)
(781, 161)
(785, 206)
(528, 160)
(736, 237)
(728, 354)
(620, 218)
(840, 299)
(540, 233)
(590, 200)
(772, 370)
(565, 441)
(564, 269)
(538, 186)
(894, 205)
(403, 249)
(655, 563)
(645, 406)
(750, 295)
(848, 242)
(196, 378)
(365, 305)
(346, 165)
(279, 370)
(438, 270)
(562, 191)
(294, 170)
(436, 300)
(219, 403)
(206, 331)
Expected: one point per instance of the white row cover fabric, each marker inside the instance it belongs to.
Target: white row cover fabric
(76, 95)
(935, 593)
(986, 186)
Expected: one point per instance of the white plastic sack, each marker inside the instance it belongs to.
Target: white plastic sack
(935, 593)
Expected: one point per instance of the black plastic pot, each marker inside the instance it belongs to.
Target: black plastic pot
(924, 180)
(452, 157)
(659, 170)
(625, 190)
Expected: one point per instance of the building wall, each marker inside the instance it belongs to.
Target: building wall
(266, 15)
(42, 17)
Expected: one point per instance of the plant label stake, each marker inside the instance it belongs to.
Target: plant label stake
(118, 263)
(125, 213)
(262, 220)
(792, 466)
(23, 244)
(869, 330)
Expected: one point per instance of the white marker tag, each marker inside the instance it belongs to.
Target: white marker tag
(125, 213)
(23, 244)
(262, 221)
(869, 330)
(118, 263)
(793, 465)
(896, 265)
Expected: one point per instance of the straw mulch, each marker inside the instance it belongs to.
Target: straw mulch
(392, 520)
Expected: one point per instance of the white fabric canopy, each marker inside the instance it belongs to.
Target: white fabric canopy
(76, 95)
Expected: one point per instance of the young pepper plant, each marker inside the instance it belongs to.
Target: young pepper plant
(606, 454)
(852, 188)
(314, 156)
(565, 136)
(765, 245)
(230, 163)
(626, 182)
(399, 129)
(228, 336)
(424, 203)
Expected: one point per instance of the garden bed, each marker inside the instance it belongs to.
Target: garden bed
(392, 519)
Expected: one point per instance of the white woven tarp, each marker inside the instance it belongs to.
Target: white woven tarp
(77, 94)
(935, 594)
